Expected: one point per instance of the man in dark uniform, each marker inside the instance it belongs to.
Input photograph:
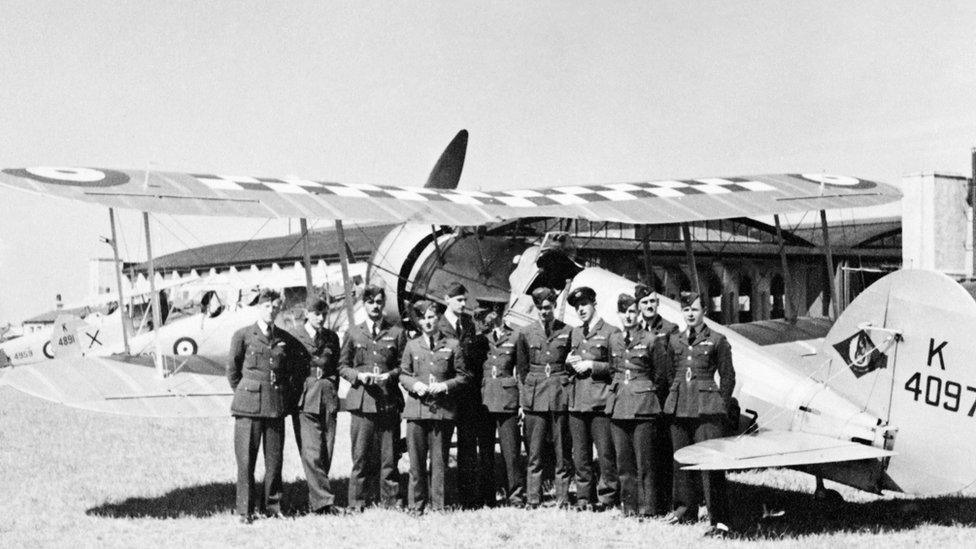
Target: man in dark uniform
(432, 372)
(640, 362)
(540, 350)
(475, 438)
(264, 363)
(370, 362)
(651, 320)
(700, 408)
(499, 392)
(318, 403)
(589, 425)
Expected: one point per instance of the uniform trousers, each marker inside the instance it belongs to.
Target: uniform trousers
(635, 443)
(249, 432)
(685, 431)
(318, 432)
(664, 452)
(475, 447)
(510, 441)
(587, 429)
(374, 438)
(538, 426)
(428, 438)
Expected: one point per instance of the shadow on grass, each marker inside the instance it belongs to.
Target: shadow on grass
(215, 498)
(808, 516)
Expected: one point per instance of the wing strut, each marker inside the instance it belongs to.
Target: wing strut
(154, 298)
(787, 279)
(306, 258)
(117, 267)
(693, 269)
(344, 263)
(831, 287)
(646, 246)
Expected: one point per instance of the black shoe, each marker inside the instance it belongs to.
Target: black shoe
(246, 519)
(532, 505)
(328, 510)
(580, 507)
(719, 530)
(419, 512)
(354, 510)
(275, 515)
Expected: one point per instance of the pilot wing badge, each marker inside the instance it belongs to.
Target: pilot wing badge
(861, 354)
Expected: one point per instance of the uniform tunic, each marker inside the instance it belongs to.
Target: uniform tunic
(640, 364)
(430, 418)
(700, 406)
(544, 396)
(499, 392)
(588, 423)
(318, 404)
(261, 370)
(374, 409)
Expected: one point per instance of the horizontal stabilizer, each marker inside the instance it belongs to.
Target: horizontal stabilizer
(127, 388)
(773, 449)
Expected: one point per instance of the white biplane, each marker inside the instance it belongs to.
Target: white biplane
(878, 431)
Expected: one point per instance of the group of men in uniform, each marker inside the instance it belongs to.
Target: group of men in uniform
(635, 395)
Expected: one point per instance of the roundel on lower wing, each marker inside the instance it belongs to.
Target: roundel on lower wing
(76, 177)
(46, 349)
(838, 180)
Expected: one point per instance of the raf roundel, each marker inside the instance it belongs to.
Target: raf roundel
(76, 177)
(837, 180)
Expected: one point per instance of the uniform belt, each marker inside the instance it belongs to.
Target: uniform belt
(690, 376)
(496, 372)
(314, 375)
(372, 369)
(260, 376)
(547, 369)
(629, 375)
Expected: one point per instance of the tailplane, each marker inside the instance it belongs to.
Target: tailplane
(905, 351)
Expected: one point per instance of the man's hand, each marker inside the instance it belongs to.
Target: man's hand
(365, 378)
(380, 378)
(437, 388)
(582, 366)
(419, 388)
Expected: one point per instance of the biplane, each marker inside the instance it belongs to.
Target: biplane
(881, 430)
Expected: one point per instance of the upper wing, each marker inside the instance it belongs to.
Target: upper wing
(129, 388)
(773, 449)
(641, 202)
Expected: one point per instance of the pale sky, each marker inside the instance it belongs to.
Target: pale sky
(552, 93)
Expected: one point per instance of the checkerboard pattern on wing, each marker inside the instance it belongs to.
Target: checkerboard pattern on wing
(517, 198)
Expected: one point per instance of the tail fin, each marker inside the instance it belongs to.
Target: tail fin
(904, 350)
(447, 172)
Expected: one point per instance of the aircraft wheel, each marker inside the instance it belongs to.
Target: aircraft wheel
(828, 497)
(185, 346)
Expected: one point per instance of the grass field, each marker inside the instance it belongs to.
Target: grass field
(82, 479)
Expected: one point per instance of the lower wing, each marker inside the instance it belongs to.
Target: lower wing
(129, 386)
(773, 449)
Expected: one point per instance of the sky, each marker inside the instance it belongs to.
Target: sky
(367, 92)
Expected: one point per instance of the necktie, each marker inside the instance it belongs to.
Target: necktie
(457, 328)
(375, 330)
(586, 329)
(548, 330)
(627, 338)
(430, 341)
